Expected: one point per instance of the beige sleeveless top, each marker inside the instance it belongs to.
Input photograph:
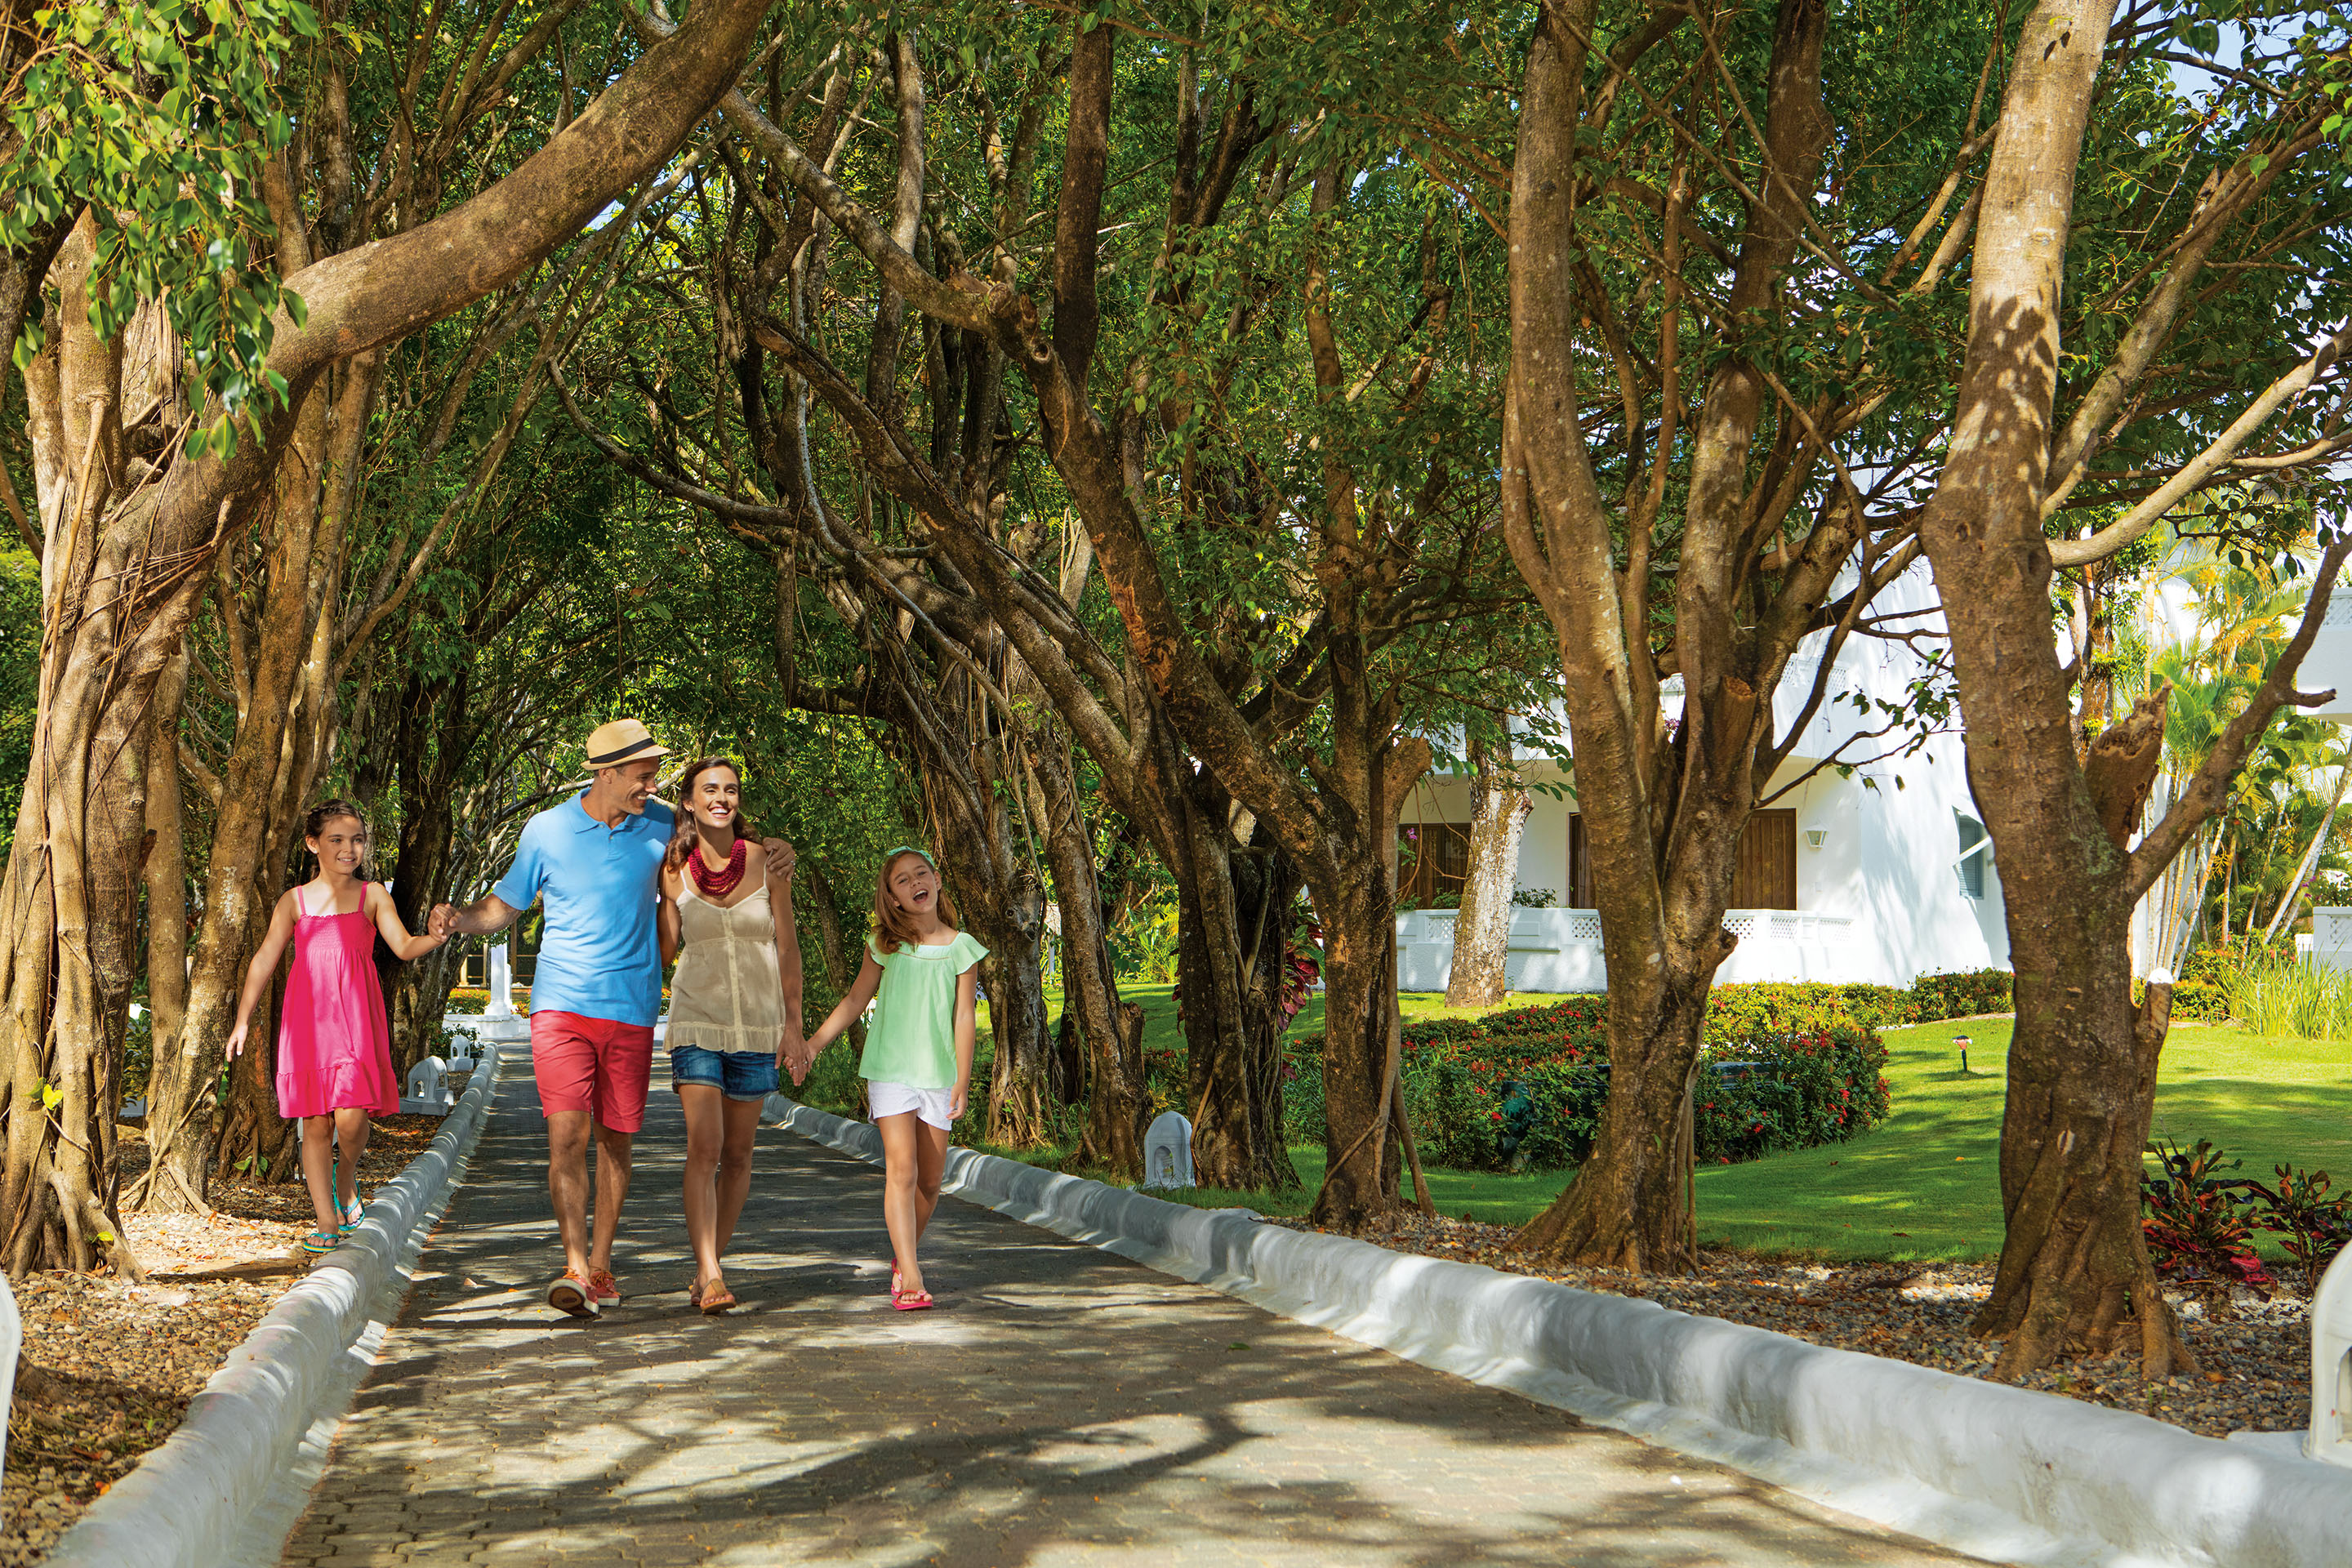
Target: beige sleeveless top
(727, 994)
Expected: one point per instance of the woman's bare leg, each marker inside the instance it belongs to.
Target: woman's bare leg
(318, 1157)
(704, 1139)
(742, 1126)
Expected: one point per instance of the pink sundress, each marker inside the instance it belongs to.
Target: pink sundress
(334, 1047)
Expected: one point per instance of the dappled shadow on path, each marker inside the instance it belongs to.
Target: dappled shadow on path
(1060, 1405)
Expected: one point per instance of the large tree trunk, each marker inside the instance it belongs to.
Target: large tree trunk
(1361, 1030)
(167, 876)
(68, 908)
(1482, 931)
(434, 737)
(1110, 1032)
(2075, 1274)
(1234, 905)
(1663, 807)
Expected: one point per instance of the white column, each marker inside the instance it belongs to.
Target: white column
(501, 1000)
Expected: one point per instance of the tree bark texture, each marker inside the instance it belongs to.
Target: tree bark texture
(1482, 929)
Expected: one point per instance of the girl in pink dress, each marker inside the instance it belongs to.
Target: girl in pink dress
(334, 1048)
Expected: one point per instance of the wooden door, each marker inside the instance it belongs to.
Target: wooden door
(1580, 864)
(1767, 878)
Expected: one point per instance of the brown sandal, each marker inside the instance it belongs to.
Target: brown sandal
(714, 1302)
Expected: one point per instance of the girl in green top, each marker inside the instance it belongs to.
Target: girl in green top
(920, 970)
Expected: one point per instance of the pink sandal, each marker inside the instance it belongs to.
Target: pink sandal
(910, 1300)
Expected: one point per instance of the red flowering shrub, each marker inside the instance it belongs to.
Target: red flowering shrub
(1786, 1069)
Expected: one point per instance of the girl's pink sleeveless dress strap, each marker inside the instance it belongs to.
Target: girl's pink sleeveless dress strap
(334, 1046)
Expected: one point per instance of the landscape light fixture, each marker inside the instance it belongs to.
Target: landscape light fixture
(1962, 1041)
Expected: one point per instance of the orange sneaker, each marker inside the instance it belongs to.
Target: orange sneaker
(606, 1289)
(571, 1294)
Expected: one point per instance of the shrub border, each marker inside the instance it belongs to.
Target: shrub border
(1996, 1471)
(184, 1505)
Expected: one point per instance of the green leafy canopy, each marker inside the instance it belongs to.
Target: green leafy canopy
(157, 119)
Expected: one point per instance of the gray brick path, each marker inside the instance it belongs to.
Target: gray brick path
(1060, 1406)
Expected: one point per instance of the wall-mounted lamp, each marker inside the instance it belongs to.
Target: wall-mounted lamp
(1814, 835)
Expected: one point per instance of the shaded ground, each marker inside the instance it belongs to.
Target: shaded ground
(1060, 1406)
(109, 1367)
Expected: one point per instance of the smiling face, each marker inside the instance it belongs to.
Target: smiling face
(629, 786)
(714, 798)
(914, 886)
(341, 845)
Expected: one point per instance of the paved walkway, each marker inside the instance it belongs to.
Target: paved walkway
(1060, 1406)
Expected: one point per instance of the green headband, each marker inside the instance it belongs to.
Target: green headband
(911, 850)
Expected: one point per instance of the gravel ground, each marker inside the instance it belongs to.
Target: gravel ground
(2254, 1354)
(109, 1366)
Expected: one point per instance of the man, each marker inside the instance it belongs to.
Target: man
(596, 859)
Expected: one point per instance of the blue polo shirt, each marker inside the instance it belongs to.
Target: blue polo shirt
(601, 956)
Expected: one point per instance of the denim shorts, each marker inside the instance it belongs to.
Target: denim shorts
(740, 1074)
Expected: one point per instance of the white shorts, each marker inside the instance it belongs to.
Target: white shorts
(892, 1098)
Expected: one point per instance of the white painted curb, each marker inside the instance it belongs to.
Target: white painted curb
(1982, 1468)
(181, 1507)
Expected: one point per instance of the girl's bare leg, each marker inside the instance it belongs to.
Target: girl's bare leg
(932, 1145)
(903, 1209)
(701, 1103)
(352, 1128)
(318, 1157)
(741, 1125)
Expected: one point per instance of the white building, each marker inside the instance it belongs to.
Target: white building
(1880, 876)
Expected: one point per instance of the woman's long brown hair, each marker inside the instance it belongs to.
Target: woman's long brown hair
(892, 928)
(683, 834)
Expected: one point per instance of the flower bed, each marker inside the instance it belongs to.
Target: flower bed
(1785, 1066)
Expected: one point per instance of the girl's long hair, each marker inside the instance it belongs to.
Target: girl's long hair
(893, 927)
(684, 834)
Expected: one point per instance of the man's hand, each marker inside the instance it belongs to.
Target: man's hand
(782, 857)
(483, 917)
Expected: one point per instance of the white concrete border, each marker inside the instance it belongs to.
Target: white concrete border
(1979, 1466)
(12, 1340)
(184, 1505)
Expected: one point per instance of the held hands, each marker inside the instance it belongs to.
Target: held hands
(442, 923)
(795, 1056)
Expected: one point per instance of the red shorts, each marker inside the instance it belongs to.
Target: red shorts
(593, 1065)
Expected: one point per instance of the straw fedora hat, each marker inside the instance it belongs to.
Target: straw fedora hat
(623, 740)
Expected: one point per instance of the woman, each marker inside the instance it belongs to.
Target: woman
(735, 1002)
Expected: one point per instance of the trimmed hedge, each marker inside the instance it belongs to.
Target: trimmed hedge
(1787, 1067)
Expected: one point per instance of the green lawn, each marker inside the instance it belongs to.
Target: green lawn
(1923, 1185)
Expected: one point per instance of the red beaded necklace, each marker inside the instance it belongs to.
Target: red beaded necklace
(718, 884)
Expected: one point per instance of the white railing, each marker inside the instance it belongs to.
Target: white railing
(1785, 925)
(1560, 949)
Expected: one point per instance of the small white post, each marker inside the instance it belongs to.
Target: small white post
(2331, 1365)
(501, 1001)
(1168, 1151)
